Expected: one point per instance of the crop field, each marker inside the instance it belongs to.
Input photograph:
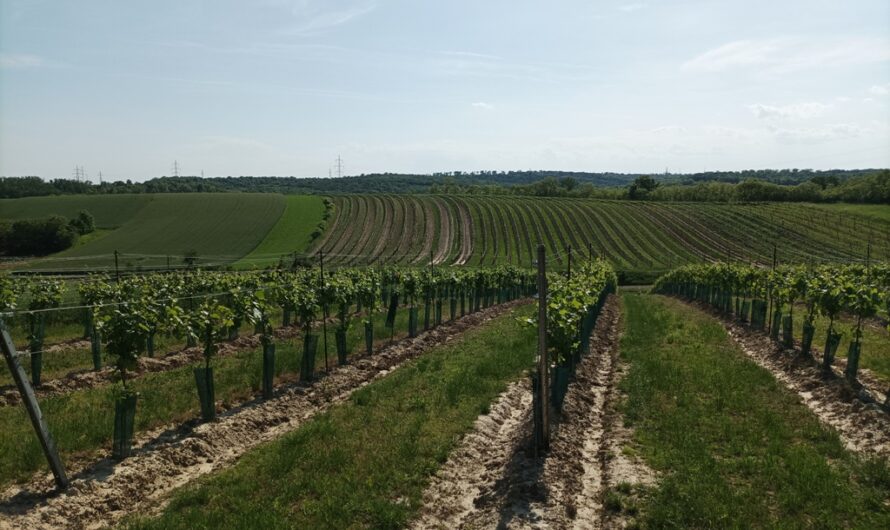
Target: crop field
(110, 211)
(217, 228)
(631, 235)
(290, 234)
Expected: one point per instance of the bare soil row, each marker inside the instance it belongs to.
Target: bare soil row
(104, 492)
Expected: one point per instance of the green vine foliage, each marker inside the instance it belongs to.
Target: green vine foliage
(210, 324)
(569, 300)
(8, 294)
(827, 290)
(124, 328)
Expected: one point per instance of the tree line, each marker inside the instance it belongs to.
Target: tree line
(45, 235)
(859, 185)
(870, 188)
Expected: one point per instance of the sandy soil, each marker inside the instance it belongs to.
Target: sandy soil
(104, 492)
(479, 461)
(493, 480)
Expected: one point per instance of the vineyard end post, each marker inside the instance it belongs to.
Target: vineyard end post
(30, 401)
(543, 361)
(324, 310)
(569, 269)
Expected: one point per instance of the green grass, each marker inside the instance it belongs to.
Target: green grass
(732, 447)
(290, 234)
(363, 464)
(110, 211)
(81, 422)
(96, 234)
(219, 227)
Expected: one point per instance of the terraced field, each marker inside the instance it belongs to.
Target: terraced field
(634, 236)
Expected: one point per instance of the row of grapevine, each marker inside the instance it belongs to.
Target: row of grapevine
(209, 307)
(572, 305)
(767, 298)
(634, 236)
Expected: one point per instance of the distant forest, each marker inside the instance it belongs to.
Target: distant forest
(858, 185)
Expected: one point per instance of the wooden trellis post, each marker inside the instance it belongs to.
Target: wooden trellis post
(30, 401)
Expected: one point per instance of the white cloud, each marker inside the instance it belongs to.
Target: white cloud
(880, 90)
(483, 105)
(20, 60)
(797, 110)
(787, 54)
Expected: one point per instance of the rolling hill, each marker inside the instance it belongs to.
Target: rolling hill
(634, 236)
(152, 230)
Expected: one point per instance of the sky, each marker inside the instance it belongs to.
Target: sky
(277, 87)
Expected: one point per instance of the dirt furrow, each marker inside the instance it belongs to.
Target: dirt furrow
(445, 231)
(104, 493)
(384, 236)
(478, 462)
(493, 480)
(862, 426)
(372, 218)
(466, 233)
(429, 232)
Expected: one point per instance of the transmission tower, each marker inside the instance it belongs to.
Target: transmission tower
(79, 173)
(339, 166)
(175, 168)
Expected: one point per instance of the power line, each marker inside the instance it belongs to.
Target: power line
(175, 168)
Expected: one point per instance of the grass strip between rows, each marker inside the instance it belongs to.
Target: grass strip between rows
(363, 464)
(733, 448)
(82, 421)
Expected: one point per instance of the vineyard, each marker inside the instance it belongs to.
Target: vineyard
(640, 239)
(357, 380)
(632, 236)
